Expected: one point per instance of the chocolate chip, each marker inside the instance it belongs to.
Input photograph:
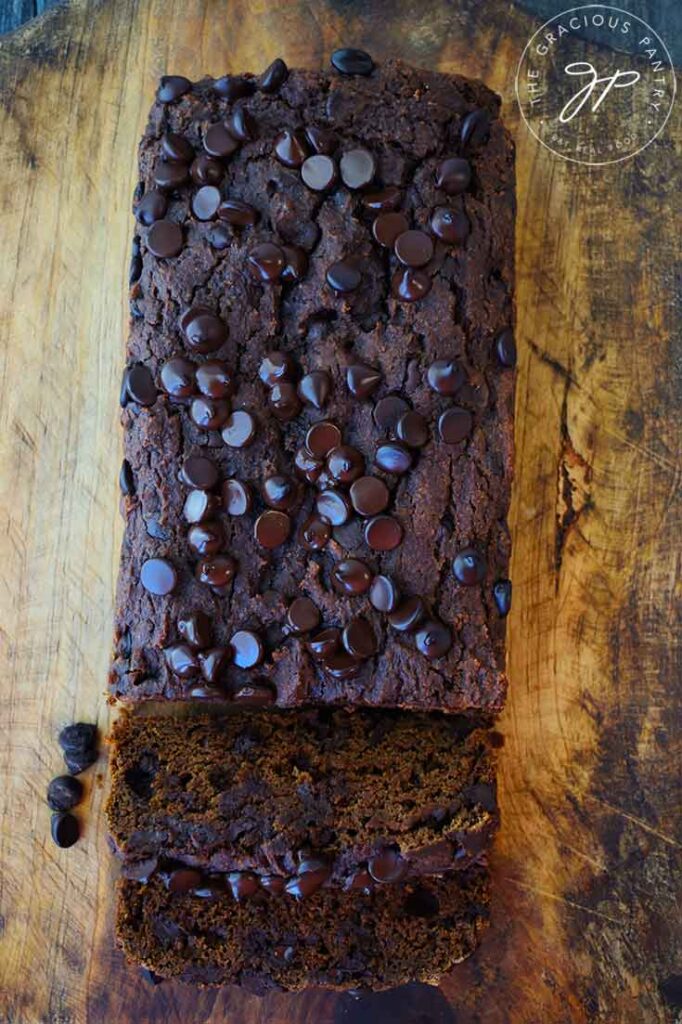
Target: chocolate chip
(219, 142)
(359, 881)
(383, 533)
(273, 884)
(414, 248)
(502, 592)
(177, 377)
(319, 172)
(302, 616)
(351, 576)
(433, 639)
(177, 147)
(284, 402)
(206, 170)
(182, 661)
(322, 140)
(214, 662)
(307, 882)
(206, 538)
(445, 376)
(77, 763)
(349, 61)
(152, 207)
(272, 528)
(469, 567)
(388, 198)
(158, 576)
(322, 437)
(140, 385)
(64, 829)
(290, 148)
(474, 391)
(276, 367)
(217, 571)
(219, 237)
(362, 380)
(453, 175)
(343, 276)
(393, 457)
(387, 866)
(410, 285)
(274, 76)
(170, 175)
(64, 792)
(314, 388)
(172, 87)
(384, 594)
(407, 615)
(412, 428)
(242, 125)
(345, 464)
(369, 495)
(237, 498)
(237, 213)
(209, 413)
(205, 202)
(475, 129)
(126, 480)
(183, 880)
(333, 506)
(358, 638)
(266, 262)
(325, 643)
(214, 379)
(204, 331)
(195, 628)
(315, 533)
(341, 665)
(505, 347)
(234, 87)
(165, 239)
(388, 411)
(307, 465)
(281, 492)
(199, 506)
(247, 648)
(454, 425)
(357, 168)
(295, 264)
(239, 430)
(388, 227)
(451, 226)
(78, 738)
(256, 695)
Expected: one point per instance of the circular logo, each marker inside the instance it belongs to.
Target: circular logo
(595, 84)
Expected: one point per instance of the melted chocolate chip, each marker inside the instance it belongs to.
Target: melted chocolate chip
(451, 226)
(445, 376)
(266, 262)
(388, 227)
(276, 367)
(369, 495)
(216, 571)
(413, 248)
(315, 533)
(388, 198)
(152, 207)
(307, 465)
(237, 213)
(319, 172)
(284, 402)
(502, 592)
(344, 276)
(351, 576)
(165, 239)
(214, 662)
(388, 411)
(205, 202)
(172, 87)
(214, 379)
(383, 533)
(177, 147)
(206, 170)
(219, 142)
(64, 829)
(295, 264)
(505, 348)
(239, 430)
(234, 87)
(475, 129)
(200, 506)
(195, 628)
(322, 437)
(393, 457)
(170, 175)
(333, 506)
(469, 567)
(384, 594)
(433, 639)
(453, 175)
(302, 616)
(140, 385)
(407, 615)
(209, 413)
(126, 480)
(247, 648)
(454, 425)
(325, 643)
(358, 638)
(412, 429)
(322, 140)
(206, 538)
(256, 695)
(177, 377)
(158, 576)
(387, 866)
(281, 492)
(64, 792)
(204, 331)
(357, 168)
(410, 285)
(242, 125)
(237, 498)
(345, 464)
(272, 528)
(290, 148)
(182, 661)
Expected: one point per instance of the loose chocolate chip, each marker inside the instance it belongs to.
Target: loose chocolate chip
(158, 576)
(469, 567)
(325, 643)
(322, 437)
(195, 628)
(341, 665)
(177, 147)
(213, 663)
(164, 239)
(315, 533)
(314, 388)
(383, 533)
(333, 506)
(273, 884)
(412, 428)
(505, 347)
(284, 402)
(206, 170)
(393, 457)
(214, 379)
(237, 213)
(170, 175)
(209, 413)
(345, 464)
(384, 594)
(433, 639)
(78, 738)
(256, 695)
(343, 276)
(357, 167)
(369, 495)
(140, 385)
(266, 262)
(410, 285)
(307, 465)
(454, 425)
(126, 480)
(206, 538)
(152, 207)
(237, 498)
(64, 792)
(502, 592)
(183, 880)
(239, 429)
(388, 198)
(274, 76)
(358, 638)
(388, 411)
(242, 125)
(322, 140)
(65, 829)
(414, 248)
(351, 576)
(219, 142)
(177, 377)
(453, 175)
(362, 380)
(281, 492)
(216, 571)
(182, 661)
(475, 129)
(389, 226)
(319, 172)
(272, 528)
(290, 148)
(205, 332)
(276, 367)
(451, 226)
(302, 616)
(349, 61)
(247, 648)
(205, 202)
(233, 87)
(199, 506)
(307, 882)
(445, 376)
(172, 87)
(407, 615)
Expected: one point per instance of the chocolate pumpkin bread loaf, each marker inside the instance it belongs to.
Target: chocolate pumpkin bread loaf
(318, 393)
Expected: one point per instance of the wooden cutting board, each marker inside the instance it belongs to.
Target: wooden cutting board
(587, 867)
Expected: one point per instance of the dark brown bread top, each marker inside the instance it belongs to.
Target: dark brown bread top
(337, 940)
(437, 397)
(377, 796)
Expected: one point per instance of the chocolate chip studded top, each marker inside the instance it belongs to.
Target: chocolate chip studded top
(323, 346)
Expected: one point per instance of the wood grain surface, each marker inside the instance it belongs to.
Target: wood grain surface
(585, 925)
